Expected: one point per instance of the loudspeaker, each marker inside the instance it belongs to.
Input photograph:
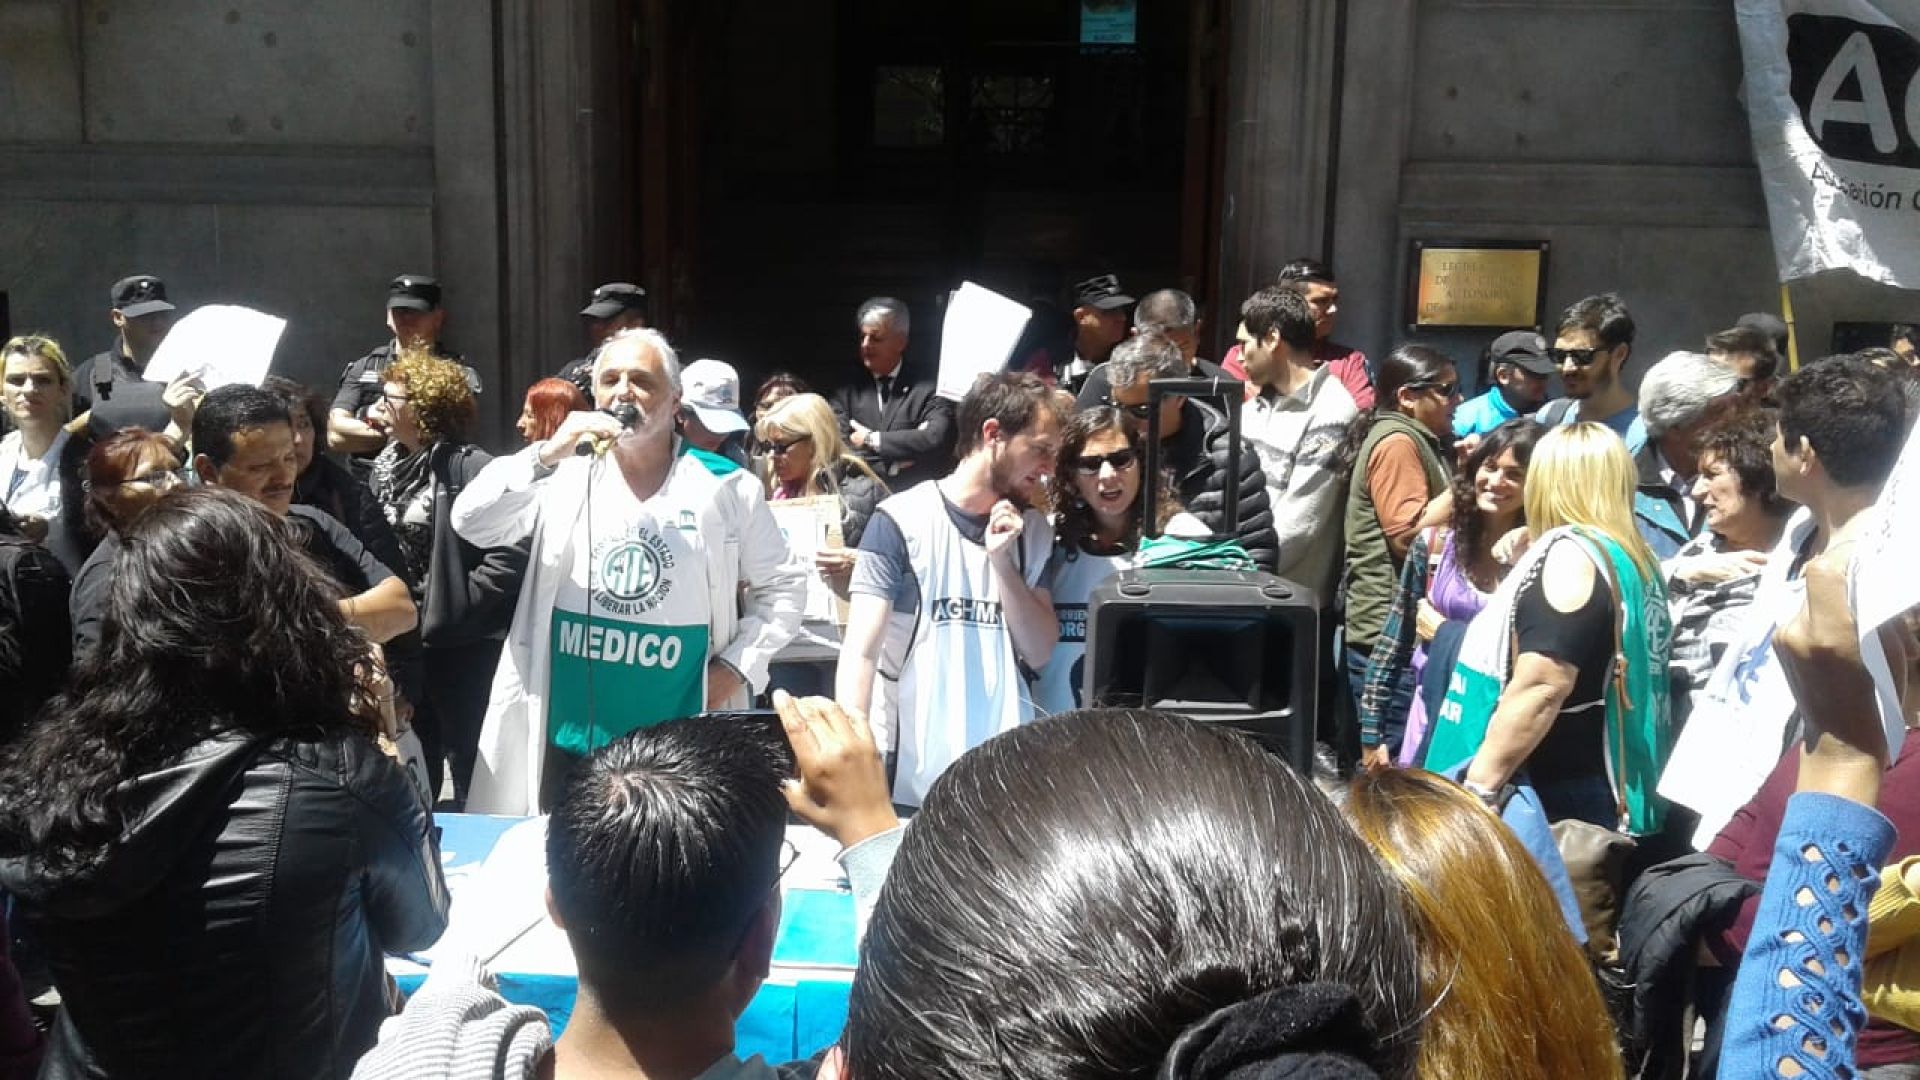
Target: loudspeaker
(1226, 647)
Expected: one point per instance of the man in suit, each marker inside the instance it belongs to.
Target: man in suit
(890, 414)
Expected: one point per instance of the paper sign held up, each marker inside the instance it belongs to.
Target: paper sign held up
(220, 344)
(978, 337)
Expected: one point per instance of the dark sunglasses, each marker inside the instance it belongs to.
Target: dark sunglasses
(1579, 357)
(1121, 460)
(778, 449)
(1446, 390)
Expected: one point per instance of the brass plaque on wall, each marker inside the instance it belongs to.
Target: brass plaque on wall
(1487, 285)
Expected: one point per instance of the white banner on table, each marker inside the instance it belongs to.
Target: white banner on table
(220, 344)
(813, 525)
(1834, 107)
(977, 338)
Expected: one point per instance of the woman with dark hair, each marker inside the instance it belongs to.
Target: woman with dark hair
(127, 472)
(1449, 575)
(204, 833)
(323, 482)
(1119, 893)
(548, 403)
(1711, 580)
(1400, 481)
(1097, 530)
(774, 389)
(1528, 1008)
(465, 594)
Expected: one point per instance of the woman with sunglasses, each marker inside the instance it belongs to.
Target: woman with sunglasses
(1400, 483)
(806, 458)
(1097, 529)
(127, 472)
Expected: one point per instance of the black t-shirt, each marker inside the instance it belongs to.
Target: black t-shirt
(341, 554)
(1575, 746)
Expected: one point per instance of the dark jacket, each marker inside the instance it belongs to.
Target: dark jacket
(331, 487)
(859, 495)
(1658, 511)
(1668, 910)
(915, 426)
(238, 928)
(470, 591)
(1202, 468)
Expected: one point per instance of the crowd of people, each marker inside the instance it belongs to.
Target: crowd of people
(1576, 655)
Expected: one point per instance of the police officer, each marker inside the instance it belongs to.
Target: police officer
(613, 307)
(109, 383)
(415, 316)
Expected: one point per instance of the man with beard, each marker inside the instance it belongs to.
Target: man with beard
(1591, 349)
(657, 585)
(951, 599)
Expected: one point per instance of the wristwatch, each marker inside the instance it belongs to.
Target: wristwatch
(1495, 799)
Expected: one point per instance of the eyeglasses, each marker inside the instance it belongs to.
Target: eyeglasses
(779, 449)
(1121, 460)
(1446, 390)
(1577, 357)
(392, 400)
(160, 478)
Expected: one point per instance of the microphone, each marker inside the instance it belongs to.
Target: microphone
(626, 413)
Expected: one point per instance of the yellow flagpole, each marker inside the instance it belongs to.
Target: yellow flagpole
(1793, 337)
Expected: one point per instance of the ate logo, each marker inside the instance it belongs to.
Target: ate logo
(1857, 86)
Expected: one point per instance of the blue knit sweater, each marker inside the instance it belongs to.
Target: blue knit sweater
(1797, 997)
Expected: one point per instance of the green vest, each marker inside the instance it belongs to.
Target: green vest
(1372, 571)
(1638, 728)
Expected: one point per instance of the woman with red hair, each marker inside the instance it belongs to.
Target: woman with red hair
(548, 402)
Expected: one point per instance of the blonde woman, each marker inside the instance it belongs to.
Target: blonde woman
(41, 459)
(805, 457)
(1562, 678)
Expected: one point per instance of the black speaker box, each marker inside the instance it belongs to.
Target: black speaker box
(1222, 647)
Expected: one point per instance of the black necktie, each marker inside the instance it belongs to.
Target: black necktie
(885, 384)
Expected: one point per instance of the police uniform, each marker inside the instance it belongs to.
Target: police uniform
(361, 382)
(607, 301)
(107, 383)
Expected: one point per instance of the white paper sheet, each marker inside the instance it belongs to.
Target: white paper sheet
(221, 344)
(978, 337)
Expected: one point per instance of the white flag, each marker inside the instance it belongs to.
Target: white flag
(1833, 99)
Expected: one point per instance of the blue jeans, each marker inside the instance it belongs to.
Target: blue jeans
(1393, 721)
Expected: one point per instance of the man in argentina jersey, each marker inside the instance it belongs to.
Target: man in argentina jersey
(951, 607)
(658, 585)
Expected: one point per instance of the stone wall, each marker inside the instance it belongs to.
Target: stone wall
(287, 156)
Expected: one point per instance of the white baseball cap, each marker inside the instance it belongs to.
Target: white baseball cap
(712, 390)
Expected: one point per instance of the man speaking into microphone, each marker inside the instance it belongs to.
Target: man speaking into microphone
(632, 611)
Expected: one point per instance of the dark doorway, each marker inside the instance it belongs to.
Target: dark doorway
(817, 153)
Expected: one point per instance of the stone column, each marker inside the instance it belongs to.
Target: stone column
(1280, 142)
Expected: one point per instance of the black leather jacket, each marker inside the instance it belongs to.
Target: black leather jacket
(238, 928)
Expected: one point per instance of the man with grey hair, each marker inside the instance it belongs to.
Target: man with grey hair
(1679, 398)
(889, 413)
(657, 585)
(1193, 442)
(1174, 314)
